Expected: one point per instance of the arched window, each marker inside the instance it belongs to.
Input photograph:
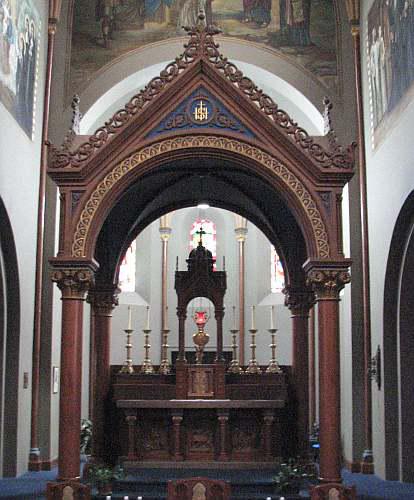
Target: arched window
(208, 236)
(127, 269)
(277, 276)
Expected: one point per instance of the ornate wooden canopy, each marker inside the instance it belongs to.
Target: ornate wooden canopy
(243, 131)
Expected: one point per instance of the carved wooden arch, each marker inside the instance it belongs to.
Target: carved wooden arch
(114, 183)
(309, 176)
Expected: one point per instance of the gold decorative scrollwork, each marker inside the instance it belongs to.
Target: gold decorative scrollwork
(213, 142)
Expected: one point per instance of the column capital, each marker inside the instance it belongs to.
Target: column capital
(327, 280)
(73, 282)
(241, 233)
(299, 300)
(165, 233)
(103, 300)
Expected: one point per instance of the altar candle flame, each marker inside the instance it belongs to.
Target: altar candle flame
(271, 317)
(253, 318)
(129, 318)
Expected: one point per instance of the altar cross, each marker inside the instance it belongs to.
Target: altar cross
(200, 232)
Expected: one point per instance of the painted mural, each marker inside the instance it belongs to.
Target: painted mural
(303, 30)
(390, 61)
(19, 56)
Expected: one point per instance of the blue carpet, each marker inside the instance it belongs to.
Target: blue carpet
(32, 485)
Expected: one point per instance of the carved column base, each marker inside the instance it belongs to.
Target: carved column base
(68, 490)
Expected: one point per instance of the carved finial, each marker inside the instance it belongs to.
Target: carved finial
(201, 22)
(328, 128)
(76, 115)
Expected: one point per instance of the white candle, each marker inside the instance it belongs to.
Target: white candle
(234, 318)
(147, 326)
(129, 318)
(253, 318)
(271, 317)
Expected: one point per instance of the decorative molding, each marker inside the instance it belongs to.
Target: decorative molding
(103, 300)
(327, 282)
(299, 301)
(73, 282)
(202, 47)
(181, 143)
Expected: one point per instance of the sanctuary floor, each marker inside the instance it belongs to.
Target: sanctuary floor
(32, 485)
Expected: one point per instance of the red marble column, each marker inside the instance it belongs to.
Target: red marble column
(327, 282)
(299, 302)
(103, 301)
(73, 283)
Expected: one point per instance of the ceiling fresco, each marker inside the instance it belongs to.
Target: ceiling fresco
(304, 31)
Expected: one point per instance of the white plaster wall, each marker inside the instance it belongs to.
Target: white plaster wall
(390, 180)
(19, 180)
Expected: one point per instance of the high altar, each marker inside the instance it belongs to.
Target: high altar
(201, 411)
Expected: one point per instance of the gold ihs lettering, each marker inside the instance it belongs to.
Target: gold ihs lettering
(201, 112)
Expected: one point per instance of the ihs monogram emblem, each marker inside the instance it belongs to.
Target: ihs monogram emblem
(201, 112)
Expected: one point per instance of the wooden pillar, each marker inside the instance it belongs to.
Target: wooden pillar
(312, 378)
(299, 302)
(103, 301)
(219, 314)
(223, 418)
(353, 10)
(34, 454)
(177, 418)
(131, 419)
(241, 233)
(268, 420)
(182, 316)
(327, 280)
(73, 283)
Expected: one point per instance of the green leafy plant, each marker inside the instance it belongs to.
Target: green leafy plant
(101, 475)
(293, 476)
(85, 436)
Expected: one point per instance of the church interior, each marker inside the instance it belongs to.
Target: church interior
(206, 248)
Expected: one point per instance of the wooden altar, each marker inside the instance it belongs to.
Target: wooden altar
(248, 423)
(200, 411)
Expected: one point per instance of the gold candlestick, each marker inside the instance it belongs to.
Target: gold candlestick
(128, 367)
(165, 367)
(253, 367)
(273, 364)
(234, 365)
(147, 367)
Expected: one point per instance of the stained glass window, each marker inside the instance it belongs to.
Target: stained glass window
(209, 235)
(277, 276)
(127, 270)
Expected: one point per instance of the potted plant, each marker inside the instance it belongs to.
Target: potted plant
(294, 476)
(101, 477)
(85, 437)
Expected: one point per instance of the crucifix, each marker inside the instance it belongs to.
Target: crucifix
(200, 232)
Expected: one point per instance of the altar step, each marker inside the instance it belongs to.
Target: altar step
(151, 484)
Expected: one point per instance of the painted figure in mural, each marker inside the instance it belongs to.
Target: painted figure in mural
(6, 36)
(188, 15)
(260, 12)
(21, 80)
(31, 50)
(247, 10)
(295, 18)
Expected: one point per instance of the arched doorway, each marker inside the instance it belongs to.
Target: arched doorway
(398, 347)
(254, 160)
(9, 345)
